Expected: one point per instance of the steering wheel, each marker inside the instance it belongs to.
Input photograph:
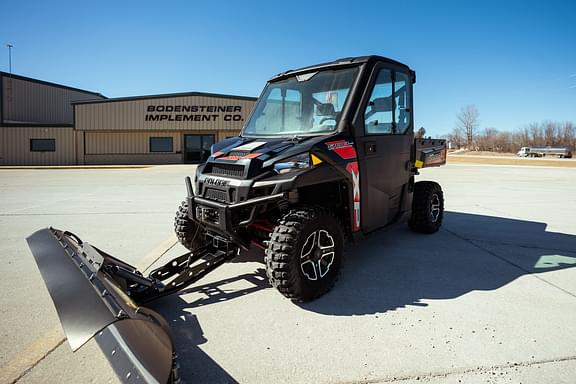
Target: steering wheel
(327, 118)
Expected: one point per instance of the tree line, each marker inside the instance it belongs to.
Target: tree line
(466, 134)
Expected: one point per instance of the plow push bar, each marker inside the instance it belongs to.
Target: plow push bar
(98, 295)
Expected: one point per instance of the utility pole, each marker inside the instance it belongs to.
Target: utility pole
(9, 85)
(10, 46)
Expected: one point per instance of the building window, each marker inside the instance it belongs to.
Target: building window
(161, 144)
(42, 145)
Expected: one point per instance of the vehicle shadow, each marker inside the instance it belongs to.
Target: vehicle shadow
(195, 365)
(388, 271)
(471, 252)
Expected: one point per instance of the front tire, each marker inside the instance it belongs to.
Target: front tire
(189, 233)
(305, 253)
(427, 207)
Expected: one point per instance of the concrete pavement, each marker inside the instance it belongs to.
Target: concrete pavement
(490, 298)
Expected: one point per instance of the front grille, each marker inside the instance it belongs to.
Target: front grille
(231, 170)
(215, 194)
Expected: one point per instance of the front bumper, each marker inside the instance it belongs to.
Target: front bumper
(225, 218)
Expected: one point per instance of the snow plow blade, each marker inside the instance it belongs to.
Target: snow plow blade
(93, 293)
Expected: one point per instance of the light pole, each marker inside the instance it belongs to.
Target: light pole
(10, 57)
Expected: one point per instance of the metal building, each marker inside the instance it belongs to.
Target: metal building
(160, 129)
(43, 123)
(36, 121)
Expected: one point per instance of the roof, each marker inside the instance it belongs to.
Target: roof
(346, 61)
(47, 83)
(166, 95)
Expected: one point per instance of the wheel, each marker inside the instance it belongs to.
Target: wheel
(304, 255)
(427, 207)
(189, 233)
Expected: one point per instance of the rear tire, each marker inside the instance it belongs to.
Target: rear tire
(189, 233)
(427, 207)
(305, 253)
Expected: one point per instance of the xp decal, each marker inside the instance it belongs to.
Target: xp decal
(352, 168)
(343, 148)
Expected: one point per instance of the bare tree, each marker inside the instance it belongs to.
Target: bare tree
(420, 133)
(488, 140)
(456, 139)
(551, 133)
(467, 123)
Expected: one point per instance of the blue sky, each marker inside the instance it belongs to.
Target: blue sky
(515, 60)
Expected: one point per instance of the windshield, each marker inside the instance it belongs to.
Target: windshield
(309, 103)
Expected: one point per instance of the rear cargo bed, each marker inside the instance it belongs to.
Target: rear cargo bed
(430, 153)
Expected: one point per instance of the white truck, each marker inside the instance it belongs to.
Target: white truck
(561, 152)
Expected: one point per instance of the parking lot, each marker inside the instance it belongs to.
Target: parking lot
(490, 298)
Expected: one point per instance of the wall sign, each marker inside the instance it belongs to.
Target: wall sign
(194, 113)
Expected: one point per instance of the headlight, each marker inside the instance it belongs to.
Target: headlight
(293, 163)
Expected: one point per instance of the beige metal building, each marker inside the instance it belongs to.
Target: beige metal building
(44, 123)
(160, 129)
(36, 121)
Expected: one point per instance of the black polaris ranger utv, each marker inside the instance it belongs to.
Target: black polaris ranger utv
(327, 155)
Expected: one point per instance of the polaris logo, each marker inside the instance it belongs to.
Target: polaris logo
(215, 181)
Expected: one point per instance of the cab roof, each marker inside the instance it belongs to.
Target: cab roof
(346, 61)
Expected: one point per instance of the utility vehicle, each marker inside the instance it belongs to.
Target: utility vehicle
(328, 155)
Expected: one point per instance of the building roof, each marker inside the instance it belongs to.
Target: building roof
(47, 83)
(165, 96)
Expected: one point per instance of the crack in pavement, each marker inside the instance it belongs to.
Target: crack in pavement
(463, 371)
(86, 213)
(26, 360)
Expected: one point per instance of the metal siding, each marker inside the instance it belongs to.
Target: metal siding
(142, 159)
(224, 134)
(2, 146)
(128, 148)
(31, 102)
(130, 114)
(16, 142)
(109, 147)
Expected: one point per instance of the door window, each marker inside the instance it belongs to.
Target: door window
(378, 116)
(388, 110)
(402, 102)
(197, 148)
(207, 142)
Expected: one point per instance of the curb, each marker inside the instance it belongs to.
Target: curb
(79, 167)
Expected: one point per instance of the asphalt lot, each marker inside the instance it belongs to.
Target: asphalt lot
(490, 298)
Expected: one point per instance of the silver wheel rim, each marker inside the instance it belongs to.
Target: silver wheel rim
(434, 208)
(317, 255)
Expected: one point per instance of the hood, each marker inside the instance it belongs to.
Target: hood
(246, 158)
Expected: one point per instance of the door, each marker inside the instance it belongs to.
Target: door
(197, 148)
(384, 140)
